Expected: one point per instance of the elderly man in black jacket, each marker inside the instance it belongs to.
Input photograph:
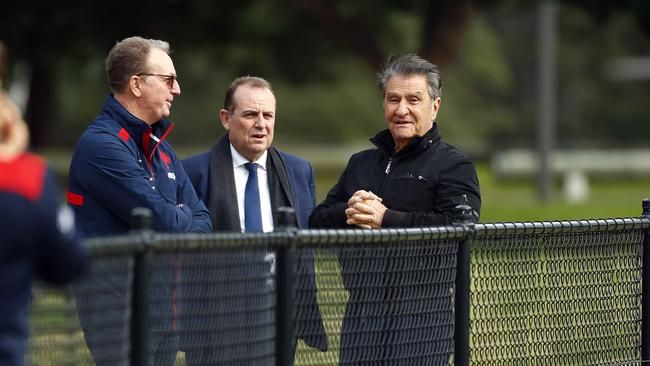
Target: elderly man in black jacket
(411, 179)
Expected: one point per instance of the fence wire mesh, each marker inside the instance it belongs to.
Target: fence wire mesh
(393, 303)
(227, 307)
(91, 315)
(56, 337)
(556, 299)
(538, 297)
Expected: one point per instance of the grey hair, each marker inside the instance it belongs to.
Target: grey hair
(252, 81)
(408, 65)
(129, 57)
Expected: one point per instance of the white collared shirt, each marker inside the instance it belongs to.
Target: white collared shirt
(241, 176)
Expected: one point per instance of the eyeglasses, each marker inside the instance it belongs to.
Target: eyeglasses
(169, 79)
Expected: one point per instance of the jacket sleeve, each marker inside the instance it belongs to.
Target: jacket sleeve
(458, 184)
(60, 258)
(195, 169)
(305, 205)
(201, 222)
(331, 212)
(117, 179)
(312, 186)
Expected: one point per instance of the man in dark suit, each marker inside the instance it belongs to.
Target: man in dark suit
(243, 180)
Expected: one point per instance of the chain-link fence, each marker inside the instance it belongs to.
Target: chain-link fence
(557, 293)
(542, 293)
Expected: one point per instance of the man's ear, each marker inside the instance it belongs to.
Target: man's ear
(224, 115)
(436, 108)
(135, 85)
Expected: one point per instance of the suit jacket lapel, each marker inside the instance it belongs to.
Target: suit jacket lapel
(279, 185)
(223, 194)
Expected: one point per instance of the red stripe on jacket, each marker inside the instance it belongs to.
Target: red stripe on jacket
(124, 135)
(75, 199)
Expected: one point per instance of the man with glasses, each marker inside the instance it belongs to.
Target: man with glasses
(123, 161)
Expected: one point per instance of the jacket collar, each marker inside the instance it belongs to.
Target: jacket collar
(148, 138)
(136, 127)
(222, 202)
(384, 141)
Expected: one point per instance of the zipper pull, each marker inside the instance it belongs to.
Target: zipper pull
(388, 166)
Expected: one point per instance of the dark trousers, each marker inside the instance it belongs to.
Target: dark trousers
(103, 306)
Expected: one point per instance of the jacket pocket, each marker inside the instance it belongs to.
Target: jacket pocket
(410, 192)
(411, 177)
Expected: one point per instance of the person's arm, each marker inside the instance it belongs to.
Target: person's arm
(59, 256)
(114, 176)
(458, 185)
(197, 173)
(201, 222)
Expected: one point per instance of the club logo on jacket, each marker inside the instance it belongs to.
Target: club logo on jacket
(165, 158)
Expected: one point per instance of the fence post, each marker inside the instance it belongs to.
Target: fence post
(645, 290)
(462, 301)
(141, 220)
(285, 263)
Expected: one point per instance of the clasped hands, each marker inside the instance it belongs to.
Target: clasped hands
(365, 210)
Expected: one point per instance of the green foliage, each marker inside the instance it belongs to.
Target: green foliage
(403, 32)
(593, 109)
(475, 108)
(320, 57)
(345, 111)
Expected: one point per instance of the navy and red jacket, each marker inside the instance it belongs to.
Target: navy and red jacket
(120, 163)
(38, 241)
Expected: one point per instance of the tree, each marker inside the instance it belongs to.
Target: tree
(295, 41)
(45, 37)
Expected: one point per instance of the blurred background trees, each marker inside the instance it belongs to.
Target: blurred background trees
(322, 56)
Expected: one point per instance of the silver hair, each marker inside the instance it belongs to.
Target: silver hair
(408, 65)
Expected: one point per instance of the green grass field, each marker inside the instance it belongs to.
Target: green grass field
(515, 200)
(503, 199)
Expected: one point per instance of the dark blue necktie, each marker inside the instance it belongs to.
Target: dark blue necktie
(252, 211)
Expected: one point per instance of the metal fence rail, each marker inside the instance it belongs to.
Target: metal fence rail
(539, 293)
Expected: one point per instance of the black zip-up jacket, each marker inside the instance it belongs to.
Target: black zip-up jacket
(400, 308)
(420, 185)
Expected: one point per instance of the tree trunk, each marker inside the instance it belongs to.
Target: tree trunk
(348, 33)
(41, 111)
(443, 28)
